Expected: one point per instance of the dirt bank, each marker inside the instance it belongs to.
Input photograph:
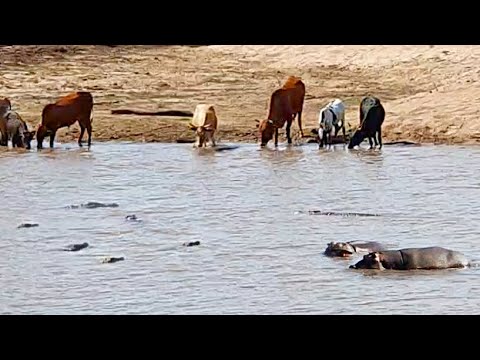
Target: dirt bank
(430, 93)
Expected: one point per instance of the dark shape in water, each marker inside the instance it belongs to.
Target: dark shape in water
(132, 218)
(225, 147)
(194, 243)
(111, 260)
(93, 205)
(76, 247)
(333, 213)
(26, 225)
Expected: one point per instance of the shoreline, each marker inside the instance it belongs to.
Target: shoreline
(430, 93)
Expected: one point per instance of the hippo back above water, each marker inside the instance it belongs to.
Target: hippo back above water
(429, 258)
(346, 249)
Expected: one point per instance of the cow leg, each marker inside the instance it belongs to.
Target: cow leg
(289, 138)
(89, 132)
(276, 136)
(82, 131)
(212, 139)
(344, 135)
(300, 123)
(371, 142)
(380, 138)
(52, 138)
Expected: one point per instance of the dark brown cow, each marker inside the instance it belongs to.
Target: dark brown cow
(65, 112)
(285, 104)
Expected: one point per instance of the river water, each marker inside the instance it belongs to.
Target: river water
(258, 254)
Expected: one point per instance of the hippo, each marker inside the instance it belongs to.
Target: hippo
(347, 249)
(428, 258)
(76, 247)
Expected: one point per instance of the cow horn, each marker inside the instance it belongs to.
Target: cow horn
(270, 121)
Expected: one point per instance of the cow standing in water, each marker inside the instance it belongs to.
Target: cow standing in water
(65, 112)
(17, 131)
(330, 121)
(285, 104)
(13, 127)
(372, 115)
(204, 123)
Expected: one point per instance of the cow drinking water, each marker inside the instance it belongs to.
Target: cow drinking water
(330, 121)
(372, 115)
(17, 131)
(204, 123)
(285, 104)
(65, 112)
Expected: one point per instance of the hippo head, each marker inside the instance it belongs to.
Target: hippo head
(370, 261)
(265, 131)
(357, 138)
(339, 249)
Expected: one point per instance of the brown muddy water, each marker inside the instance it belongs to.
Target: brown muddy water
(259, 254)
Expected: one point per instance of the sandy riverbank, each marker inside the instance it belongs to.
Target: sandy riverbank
(430, 93)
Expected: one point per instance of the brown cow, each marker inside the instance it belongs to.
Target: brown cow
(285, 104)
(204, 123)
(65, 112)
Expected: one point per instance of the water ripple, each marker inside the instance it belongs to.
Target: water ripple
(257, 255)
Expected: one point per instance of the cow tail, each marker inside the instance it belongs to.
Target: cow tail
(91, 116)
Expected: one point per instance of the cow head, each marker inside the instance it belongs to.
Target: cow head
(28, 137)
(358, 136)
(5, 106)
(266, 130)
(201, 133)
(370, 261)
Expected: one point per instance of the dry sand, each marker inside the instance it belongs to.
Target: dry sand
(430, 93)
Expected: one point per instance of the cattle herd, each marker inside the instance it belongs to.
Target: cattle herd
(286, 103)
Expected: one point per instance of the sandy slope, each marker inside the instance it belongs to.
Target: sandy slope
(429, 92)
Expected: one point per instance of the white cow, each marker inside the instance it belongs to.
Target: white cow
(204, 123)
(330, 120)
